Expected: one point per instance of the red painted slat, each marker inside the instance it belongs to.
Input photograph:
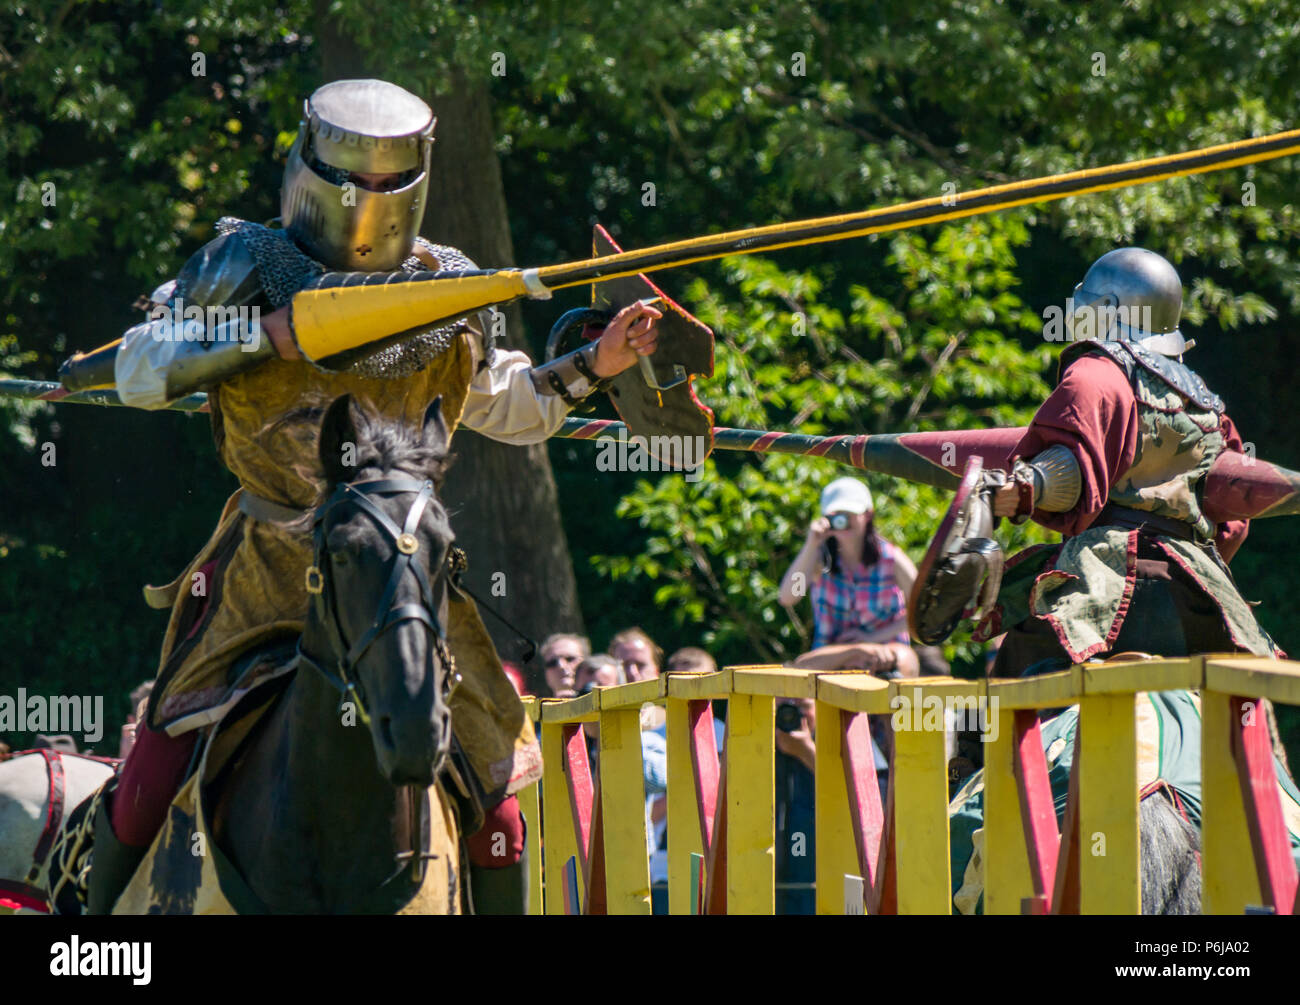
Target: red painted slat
(884, 896)
(597, 902)
(1253, 752)
(865, 811)
(577, 773)
(704, 766)
(715, 898)
(1066, 895)
(1037, 810)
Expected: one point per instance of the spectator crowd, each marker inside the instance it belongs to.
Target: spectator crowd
(856, 583)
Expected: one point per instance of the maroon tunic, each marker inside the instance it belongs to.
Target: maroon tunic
(1093, 412)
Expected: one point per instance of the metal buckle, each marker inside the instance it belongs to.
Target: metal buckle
(315, 581)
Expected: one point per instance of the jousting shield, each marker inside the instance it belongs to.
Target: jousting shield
(657, 399)
(961, 572)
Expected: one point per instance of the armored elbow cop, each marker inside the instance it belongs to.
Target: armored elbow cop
(572, 376)
(194, 355)
(1051, 482)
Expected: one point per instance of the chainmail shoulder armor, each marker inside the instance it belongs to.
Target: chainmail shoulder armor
(284, 269)
(1129, 356)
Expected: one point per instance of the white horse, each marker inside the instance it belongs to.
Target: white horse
(24, 803)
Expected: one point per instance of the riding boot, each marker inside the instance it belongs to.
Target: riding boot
(500, 891)
(112, 864)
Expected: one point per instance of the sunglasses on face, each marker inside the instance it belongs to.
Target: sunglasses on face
(555, 661)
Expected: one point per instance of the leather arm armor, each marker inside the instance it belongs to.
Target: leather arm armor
(572, 376)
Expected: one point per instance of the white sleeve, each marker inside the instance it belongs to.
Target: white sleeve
(141, 366)
(503, 403)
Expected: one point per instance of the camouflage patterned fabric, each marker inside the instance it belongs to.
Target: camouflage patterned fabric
(1082, 588)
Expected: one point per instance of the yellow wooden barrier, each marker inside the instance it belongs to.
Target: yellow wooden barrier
(750, 752)
(836, 848)
(530, 807)
(1007, 880)
(1229, 881)
(1108, 805)
(559, 842)
(622, 802)
(1107, 784)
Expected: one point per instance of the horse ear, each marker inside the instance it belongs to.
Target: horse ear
(338, 437)
(435, 427)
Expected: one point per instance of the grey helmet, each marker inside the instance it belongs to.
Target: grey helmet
(1130, 294)
(366, 126)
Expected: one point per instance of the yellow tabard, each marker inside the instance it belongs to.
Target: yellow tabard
(266, 424)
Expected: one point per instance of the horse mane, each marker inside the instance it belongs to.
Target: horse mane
(389, 445)
(382, 443)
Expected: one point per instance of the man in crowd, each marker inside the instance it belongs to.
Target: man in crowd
(561, 654)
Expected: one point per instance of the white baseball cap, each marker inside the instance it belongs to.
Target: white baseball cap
(846, 495)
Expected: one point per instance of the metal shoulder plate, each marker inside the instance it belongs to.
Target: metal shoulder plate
(1131, 357)
(221, 273)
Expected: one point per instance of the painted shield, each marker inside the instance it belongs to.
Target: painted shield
(656, 399)
(962, 569)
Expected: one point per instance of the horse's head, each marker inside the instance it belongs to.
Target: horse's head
(377, 626)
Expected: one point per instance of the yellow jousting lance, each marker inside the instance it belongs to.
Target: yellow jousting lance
(343, 311)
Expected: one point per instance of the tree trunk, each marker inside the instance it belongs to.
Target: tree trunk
(503, 500)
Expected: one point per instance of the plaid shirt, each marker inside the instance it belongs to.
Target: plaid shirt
(864, 600)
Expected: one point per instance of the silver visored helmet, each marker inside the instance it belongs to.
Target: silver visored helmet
(350, 127)
(1131, 294)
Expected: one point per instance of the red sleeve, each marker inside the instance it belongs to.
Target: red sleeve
(1094, 414)
(1232, 534)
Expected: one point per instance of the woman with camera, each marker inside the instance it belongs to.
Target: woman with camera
(857, 583)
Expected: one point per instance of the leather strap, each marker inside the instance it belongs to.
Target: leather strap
(1022, 477)
(24, 895)
(258, 508)
(1123, 516)
(53, 809)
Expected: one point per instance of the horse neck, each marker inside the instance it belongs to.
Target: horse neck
(316, 827)
(332, 763)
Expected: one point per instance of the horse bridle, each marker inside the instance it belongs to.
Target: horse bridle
(320, 585)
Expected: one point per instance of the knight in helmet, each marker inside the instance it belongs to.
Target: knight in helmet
(1115, 459)
(353, 199)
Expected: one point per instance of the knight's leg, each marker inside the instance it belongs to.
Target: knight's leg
(133, 812)
(150, 778)
(498, 867)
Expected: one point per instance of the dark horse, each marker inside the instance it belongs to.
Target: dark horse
(325, 809)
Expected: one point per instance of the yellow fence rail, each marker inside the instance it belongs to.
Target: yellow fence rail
(721, 808)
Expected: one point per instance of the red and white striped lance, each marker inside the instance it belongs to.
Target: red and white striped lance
(1238, 486)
